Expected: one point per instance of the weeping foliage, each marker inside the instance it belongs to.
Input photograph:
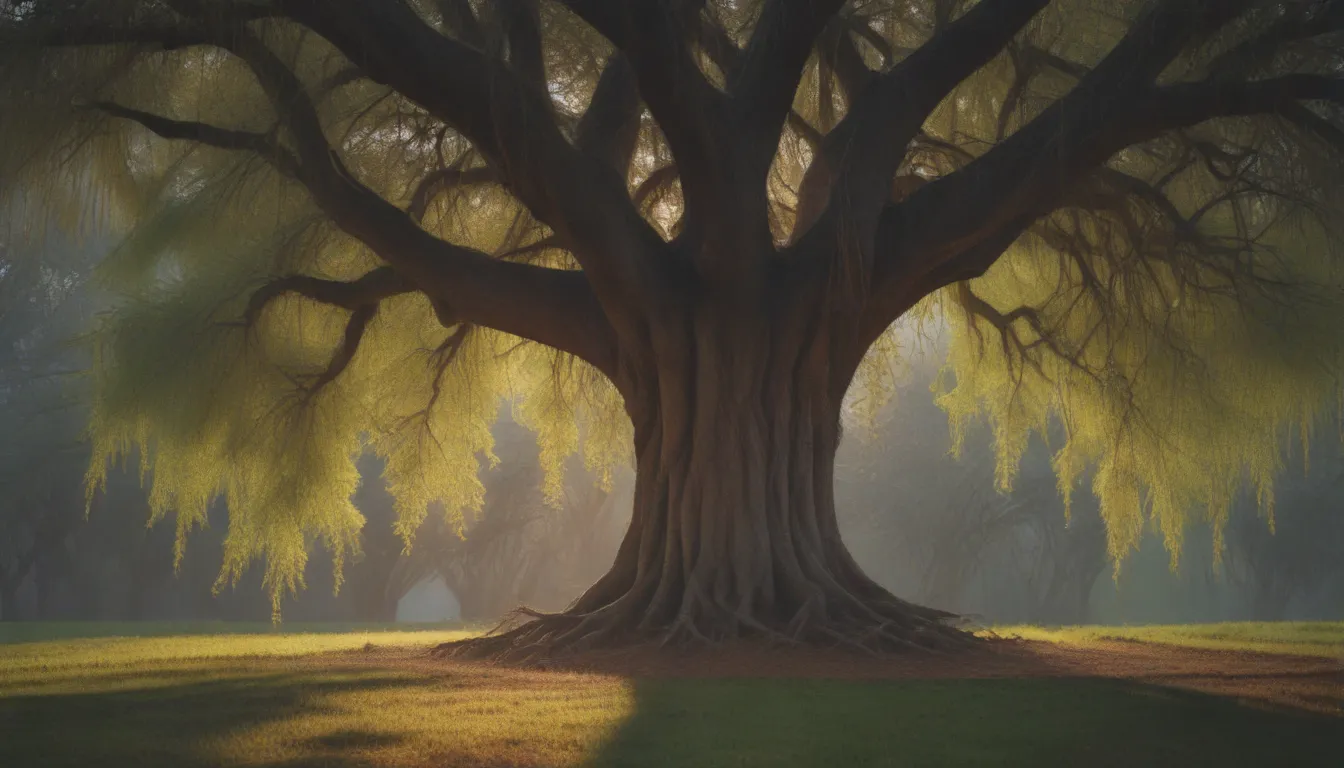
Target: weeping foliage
(1178, 343)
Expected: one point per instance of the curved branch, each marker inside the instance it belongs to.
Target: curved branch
(971, 216)
(511, 124)
(442, 180)
(354, 333)
(262, 144)
(554, 307)
(724, 53)
(859, 158)
(1300, 22)
(521, 23)
(765, 81)
(373, 287)
(682, 101)
(73, 27)
(609, 128)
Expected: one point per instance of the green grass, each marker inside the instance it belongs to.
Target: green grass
(1295, 638)
(362, 699)
(36, 631)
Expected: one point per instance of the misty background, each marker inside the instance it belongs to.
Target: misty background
(931, 528)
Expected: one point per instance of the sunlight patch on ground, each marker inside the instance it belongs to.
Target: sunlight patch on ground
(22, 664)
(1321, 639)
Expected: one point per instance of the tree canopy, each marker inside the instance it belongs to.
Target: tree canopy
(340, 219)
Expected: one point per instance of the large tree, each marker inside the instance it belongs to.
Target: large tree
(342, 215)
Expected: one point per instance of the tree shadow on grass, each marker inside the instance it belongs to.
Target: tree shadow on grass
(1028, 722)
(182, 720)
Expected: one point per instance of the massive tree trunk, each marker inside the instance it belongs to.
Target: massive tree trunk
(736, 410)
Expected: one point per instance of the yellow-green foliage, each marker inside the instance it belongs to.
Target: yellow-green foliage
(216, 410)
(1175, 387)
(1176, 383)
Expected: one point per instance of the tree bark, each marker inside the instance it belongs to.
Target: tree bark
(734, 532)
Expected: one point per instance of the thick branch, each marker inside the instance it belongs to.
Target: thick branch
(354, 333)
(1178, 106)
(75, 28)
(261, 144)
(609, 129)
(649, 34)
(373, 287)
(860, 157)
(553, 307)
(511, 124)
(1298, 22)
(460, 20)
(521, 23)
(995, 197)
(764, 84)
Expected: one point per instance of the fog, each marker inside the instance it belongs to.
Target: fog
(929, 526)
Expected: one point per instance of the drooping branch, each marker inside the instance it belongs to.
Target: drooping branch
(261, 144)
(373, 287)
(345, 353)
(361, 297)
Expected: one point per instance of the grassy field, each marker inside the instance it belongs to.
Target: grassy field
(368, 698)
(41, 631)
(1323, 639)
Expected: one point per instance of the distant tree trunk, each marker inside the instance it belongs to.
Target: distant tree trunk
(43, 581)
(9, 600)
(1269, 598)
(734, 532)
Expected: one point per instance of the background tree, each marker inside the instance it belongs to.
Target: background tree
(43, 410)
(934, 524)
(339, 214)
(1297, 555)
(516, 550)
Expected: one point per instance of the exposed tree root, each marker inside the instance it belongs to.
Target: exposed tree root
(872, 627)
